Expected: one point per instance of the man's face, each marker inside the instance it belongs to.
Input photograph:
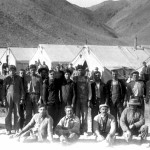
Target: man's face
(114, 75)
(51, 75)
(32, 71)
(69, 112)
(67, 75)
(104, 110)
(135, 77)
(21, 74)
(42, 111)
(44, 74)
(12, 72)
(133, 107)
(80, 72)
(97, 76)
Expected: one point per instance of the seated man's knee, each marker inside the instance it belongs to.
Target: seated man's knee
(73, 136)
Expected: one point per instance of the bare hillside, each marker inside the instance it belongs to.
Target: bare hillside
(30, 22)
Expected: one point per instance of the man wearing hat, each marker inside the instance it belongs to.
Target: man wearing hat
(136, 89)
(104, 125)
(43, 71)
(83, 97)
(34, 93)
(132, 121)
(13, 92)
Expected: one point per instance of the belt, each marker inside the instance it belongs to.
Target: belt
(33, 93)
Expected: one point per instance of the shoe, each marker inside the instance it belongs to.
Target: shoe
(85, 134)
(8, 132)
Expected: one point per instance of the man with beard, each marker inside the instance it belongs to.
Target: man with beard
(132, 121)
(104, 125)
(13, 92)
(116, 90)
(83, 97)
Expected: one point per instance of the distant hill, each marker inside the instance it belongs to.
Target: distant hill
(27, 23)
(104, 11)
(133, 20)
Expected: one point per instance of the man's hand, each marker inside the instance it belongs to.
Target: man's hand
(125, 104)
(131, 126)
(100, 138)
(4, 102)
(21, 101)
(40, 101)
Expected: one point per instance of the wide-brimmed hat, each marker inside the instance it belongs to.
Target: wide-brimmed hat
(32, 66)
(103, 105)
(134, 101)
(43, 68)
(134, 72)
(12, 67)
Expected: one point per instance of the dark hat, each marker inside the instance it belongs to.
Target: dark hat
(67, 71)
(12, 67)
(103, 105)
(134, 101)
(43, 67)
(80, 67)
(134, 72)
(32, 66)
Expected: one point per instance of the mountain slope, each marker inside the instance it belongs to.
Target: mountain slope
(107, 9)
(31, 22)
(133, 20)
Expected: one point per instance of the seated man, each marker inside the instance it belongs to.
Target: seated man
(104, 125)
(132, 121)
(68, 127)
(40, 128)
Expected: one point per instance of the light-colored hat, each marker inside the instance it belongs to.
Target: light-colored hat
(134, 101)
(103, 105)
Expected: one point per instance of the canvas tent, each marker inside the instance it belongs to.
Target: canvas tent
(124, 59)
(18, 56)
(54, 54)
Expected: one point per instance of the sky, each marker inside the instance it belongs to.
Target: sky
(85, 3)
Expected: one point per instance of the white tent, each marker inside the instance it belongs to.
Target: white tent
(110, 57)
(54, 54)
(18, 56)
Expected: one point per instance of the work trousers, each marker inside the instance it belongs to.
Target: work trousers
(21, 112)
(82, 111)
(116, 110)
(31, 106)
(53, 111)
(12, 104)
(73, 137)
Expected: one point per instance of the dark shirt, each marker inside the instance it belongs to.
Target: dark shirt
(45, 83)
(67, 93)
(53, 91)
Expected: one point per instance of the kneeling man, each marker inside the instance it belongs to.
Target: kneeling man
(132, 121)
(104, 125)
(40, 128)
(68, 127)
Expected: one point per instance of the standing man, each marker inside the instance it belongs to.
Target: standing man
(83, 97)
(34, 93)
(12, 94)
(67, 92)
(145, 72)
(116, 90)
(105, 125)
(22, 103)
(53, 102)
(136, 89)
(43, 71)
(98, 93)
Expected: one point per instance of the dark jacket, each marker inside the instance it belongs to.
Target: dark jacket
(67, 92)
(103, 92)
(122, 91)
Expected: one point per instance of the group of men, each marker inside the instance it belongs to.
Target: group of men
(54, 102)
